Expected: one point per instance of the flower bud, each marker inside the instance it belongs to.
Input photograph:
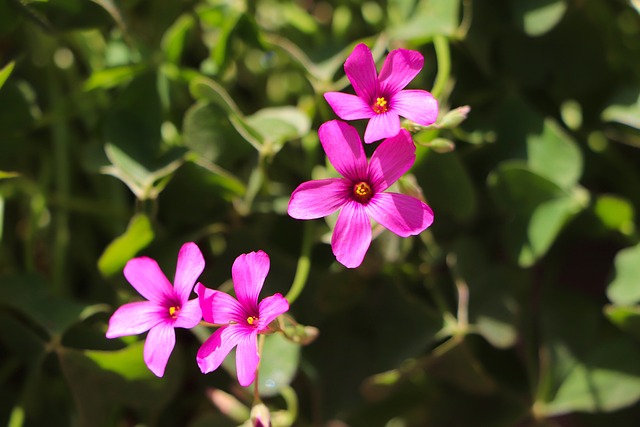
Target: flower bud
(260, 416)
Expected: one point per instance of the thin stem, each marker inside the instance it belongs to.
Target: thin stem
(256, 392)
(60, 136)
(304, 264)
(443, 55)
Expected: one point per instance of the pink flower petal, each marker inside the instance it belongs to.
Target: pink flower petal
(400, 67)
(190, 266)
(145, 276)
(219, 308)
(361, 71)
(343, 147)
(349, 107)
(213, 351)
(270, 308)
(402, 214)
(352, 235)
(158, 347)
(319, 198)
(134, 318)
(248, 273)
(247, 358)
(381, 126)
(419, 106)
(393, 157)
(190, 315)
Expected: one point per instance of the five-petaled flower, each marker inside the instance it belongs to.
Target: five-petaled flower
(381, 98)
(241, 320)
(360, 194)
(168, 306)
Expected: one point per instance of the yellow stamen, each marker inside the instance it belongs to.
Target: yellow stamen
(380, 106)
(173, 311)
(252, 319)
(362, 192)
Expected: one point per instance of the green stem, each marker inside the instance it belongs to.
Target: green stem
(60, 136)
(304, 264)
(443, 55)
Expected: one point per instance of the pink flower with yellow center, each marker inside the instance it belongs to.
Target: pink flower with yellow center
(382, 98)
(242, 319)
(361, 193)
(168, 306)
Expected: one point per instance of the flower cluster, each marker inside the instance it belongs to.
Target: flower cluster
(361, 192)
(168, 307)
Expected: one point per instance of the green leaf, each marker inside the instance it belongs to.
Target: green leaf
(30, 295)
(624, 108)
(624, 289)
(427, 19)
(615, 213)
(208, 132)
(206, 89)
(537, 17)
(104, 381)
(278, 125)
(537, 208)
(554, 155)
(7, 175)
(138, 235)
(112, 77)
(625, 317)
(5, 72)
(608, 378)
(175, 37)
(454, 195)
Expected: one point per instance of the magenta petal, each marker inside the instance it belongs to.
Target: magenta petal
(213, 351)
(218, 307)
(361, 71)
(145, 276)
(343, 147)
(400, 67)
(158, 347)
(190, 266)
(402, 214)
(349, 107)
(190, 315)
(270, 308)
(319, 198)
(248, 273)
(247, 358)
(381, 126)
(352, 235)
(393, 157)
(134, 318)
(419, 106)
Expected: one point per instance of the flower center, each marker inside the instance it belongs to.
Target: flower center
(252, 320)
(380, 106)
(173, 311)
(362, 192)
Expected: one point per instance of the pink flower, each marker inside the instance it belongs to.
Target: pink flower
(380, 98)
(360, 194)
(242, 319)
(167, 307)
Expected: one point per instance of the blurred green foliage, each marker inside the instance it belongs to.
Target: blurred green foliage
(129, 127)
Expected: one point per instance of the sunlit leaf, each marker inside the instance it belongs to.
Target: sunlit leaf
(624, 289)
(428, 18)
(138, 235)
(624, 108)
(616, 213)
(554, 155)
(5, 72)
(625, 317)
(538, 17)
